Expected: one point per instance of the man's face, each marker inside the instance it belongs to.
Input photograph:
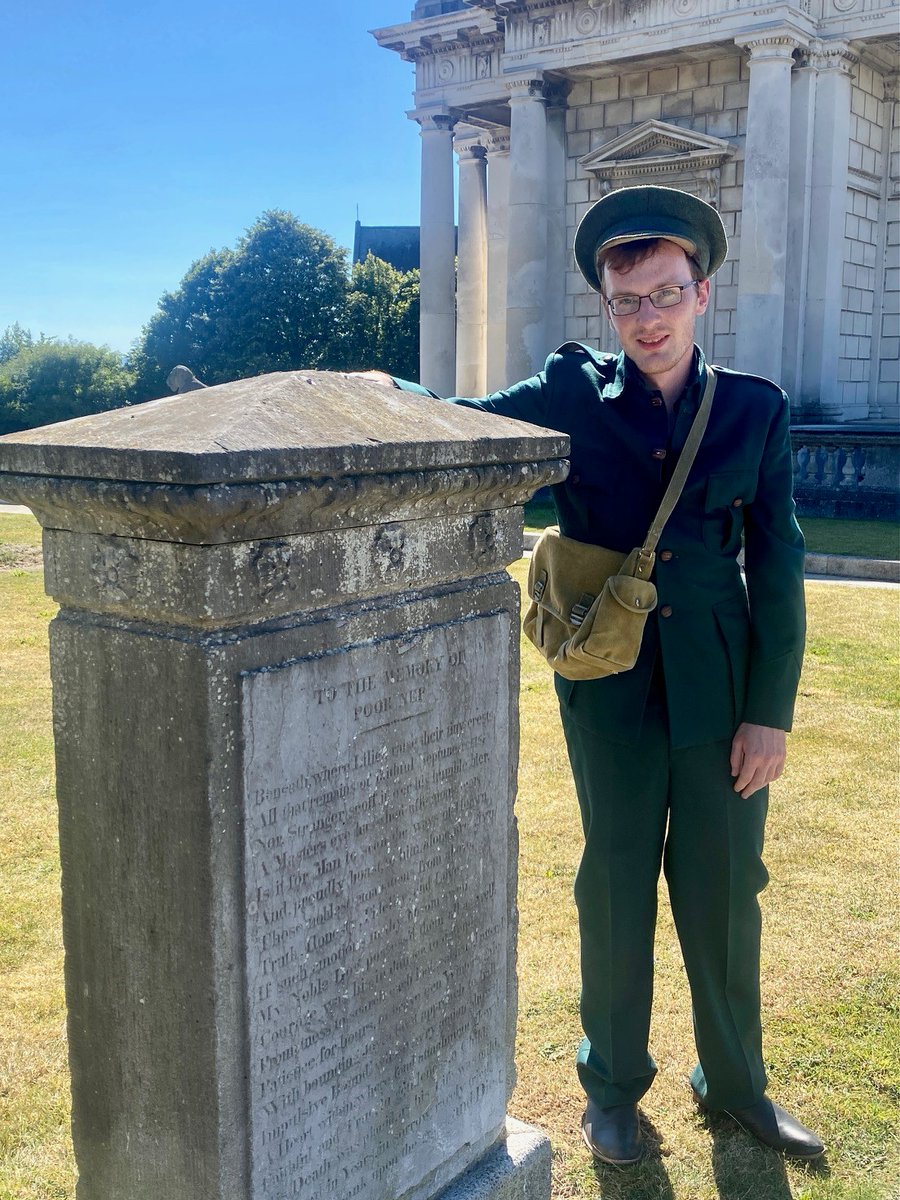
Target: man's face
(657, 340)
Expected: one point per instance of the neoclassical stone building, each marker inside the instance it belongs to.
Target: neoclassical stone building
(782, 115)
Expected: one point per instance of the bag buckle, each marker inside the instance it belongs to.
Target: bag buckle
(540, 585)
(643, 566)
(581, 609)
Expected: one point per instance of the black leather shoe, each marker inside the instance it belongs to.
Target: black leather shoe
(612, 1134)
(771, 1125)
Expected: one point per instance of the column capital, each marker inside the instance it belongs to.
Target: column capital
(469, 150)
(891, 88)
(831, 56)
(531, 88)
(556, 92)
(498, 142)
(433, 121)
(774, 45)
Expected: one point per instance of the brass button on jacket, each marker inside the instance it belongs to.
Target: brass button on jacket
(737, 502)
(659, 454)
(665, 555)
(666, 610)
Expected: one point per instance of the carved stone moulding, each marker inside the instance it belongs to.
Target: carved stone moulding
(418, 40)
(211, 514)
(656, 152)
(830, 54)
(457, 66)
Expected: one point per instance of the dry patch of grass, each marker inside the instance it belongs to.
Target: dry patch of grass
(829, 968)
(20, 544)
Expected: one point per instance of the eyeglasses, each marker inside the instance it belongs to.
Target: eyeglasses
(667, 297)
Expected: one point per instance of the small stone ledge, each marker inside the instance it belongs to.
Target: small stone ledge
(886, 570)
(516, 1169)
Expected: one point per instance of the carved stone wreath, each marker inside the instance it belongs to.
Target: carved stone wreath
(390, 544)
(272, 568)
(117, 571)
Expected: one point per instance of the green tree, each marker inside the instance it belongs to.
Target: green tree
(48, 381)
(274, 303)
(13, 339)
(183, 331)
(381, 327)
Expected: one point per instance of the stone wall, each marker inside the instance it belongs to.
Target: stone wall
(708, 97)
(862, 243)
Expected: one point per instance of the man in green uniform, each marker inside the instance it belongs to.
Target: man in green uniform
(672, 759)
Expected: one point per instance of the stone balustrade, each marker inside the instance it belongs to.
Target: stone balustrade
(846, 470)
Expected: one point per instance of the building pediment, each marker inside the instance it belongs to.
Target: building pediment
(656, 148)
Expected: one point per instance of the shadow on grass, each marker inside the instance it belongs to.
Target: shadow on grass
(743, 1168)
(646, 1181)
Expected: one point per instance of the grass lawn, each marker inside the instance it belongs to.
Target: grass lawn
(861, 539)
(830, 966)
(824, 535)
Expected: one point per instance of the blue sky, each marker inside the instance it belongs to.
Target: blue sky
(135, 136)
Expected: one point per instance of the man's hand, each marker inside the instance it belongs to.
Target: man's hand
(381, 377)
(758, 753)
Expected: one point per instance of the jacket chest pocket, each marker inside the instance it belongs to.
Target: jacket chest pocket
(727, 495)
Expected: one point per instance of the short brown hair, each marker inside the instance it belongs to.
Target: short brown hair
(627, 255)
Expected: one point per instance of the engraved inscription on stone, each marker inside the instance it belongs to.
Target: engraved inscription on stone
(377, 784)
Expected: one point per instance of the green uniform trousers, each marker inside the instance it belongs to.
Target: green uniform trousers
(641, 807)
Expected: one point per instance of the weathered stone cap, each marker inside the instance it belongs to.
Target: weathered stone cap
(288, 425)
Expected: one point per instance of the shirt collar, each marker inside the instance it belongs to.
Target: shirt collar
(627, 375)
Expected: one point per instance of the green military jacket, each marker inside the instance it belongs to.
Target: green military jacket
(730, 652)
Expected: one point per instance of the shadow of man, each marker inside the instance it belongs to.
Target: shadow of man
(743, 1167)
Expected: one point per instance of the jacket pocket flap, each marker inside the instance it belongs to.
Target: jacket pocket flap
(730, 489)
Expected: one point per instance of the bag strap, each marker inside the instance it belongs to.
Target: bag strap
(647, 553)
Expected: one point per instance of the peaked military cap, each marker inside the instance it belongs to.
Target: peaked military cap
(639, 213)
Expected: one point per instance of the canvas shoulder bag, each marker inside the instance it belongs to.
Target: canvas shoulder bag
(589, 605)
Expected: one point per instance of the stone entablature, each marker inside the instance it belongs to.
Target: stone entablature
(489, 40)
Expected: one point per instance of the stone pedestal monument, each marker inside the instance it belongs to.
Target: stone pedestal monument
(285, 704)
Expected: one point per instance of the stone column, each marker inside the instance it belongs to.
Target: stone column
(437, 288)
(761, 274)
(285, 684)
(803, 104)
(834, 66)
(471, 286)
(526, 281)
(558, 248)
(884, 377)
(498, 249)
